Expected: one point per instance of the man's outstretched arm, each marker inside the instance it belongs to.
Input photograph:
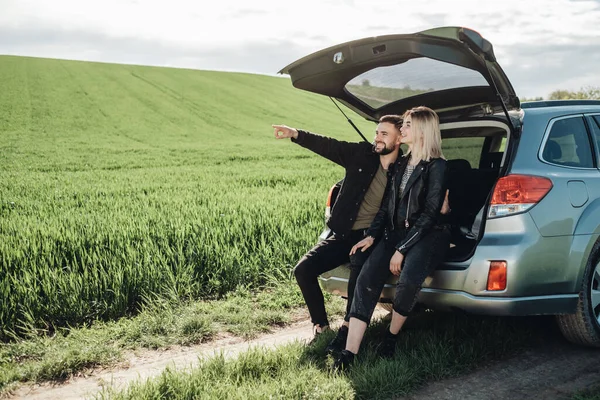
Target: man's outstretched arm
(340, 152)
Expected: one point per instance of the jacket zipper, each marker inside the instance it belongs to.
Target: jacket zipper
(407, 210)
(394, 203)
(408, 241)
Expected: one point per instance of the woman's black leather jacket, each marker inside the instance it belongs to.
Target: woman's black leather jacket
(418, 209)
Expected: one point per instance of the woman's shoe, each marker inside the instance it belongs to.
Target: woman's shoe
(344, 361)
(338, 343)
(387, 348)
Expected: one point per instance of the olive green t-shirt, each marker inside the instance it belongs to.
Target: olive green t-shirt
(372, 200)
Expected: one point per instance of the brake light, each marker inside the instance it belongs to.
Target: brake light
(515, 194)
(497, 276)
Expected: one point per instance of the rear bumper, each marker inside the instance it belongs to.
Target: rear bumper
(542, 273)
(336, 282)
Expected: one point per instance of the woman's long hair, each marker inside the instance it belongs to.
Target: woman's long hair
(427, 138)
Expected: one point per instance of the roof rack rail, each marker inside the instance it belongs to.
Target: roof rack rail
(558, 103)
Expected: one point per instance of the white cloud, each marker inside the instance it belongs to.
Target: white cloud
(262, 36)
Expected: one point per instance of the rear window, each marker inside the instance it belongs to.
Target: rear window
(384, 85)
(463, 148)
(568, 144)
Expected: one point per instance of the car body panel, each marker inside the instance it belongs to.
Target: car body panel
(569, 183)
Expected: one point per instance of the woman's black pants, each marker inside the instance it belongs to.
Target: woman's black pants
(419, 262)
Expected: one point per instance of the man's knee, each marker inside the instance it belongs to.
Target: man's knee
(406, 297)
(299, 270)
(305, 269)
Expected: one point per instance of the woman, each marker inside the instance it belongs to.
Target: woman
(413, 239)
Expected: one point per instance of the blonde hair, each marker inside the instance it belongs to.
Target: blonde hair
(427, 138)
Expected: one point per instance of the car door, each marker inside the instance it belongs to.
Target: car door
(570, 155)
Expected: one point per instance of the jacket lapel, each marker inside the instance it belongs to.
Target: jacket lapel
(399, 167)
(413, 177)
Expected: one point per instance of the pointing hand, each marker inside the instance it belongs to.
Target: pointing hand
(283, 132)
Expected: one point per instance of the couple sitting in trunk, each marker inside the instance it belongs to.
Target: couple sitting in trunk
(388, 212)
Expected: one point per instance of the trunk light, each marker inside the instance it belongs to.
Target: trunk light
(328, 206)
(497, 276)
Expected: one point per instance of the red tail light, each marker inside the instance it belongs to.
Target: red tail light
(497, 276)
(514, 194)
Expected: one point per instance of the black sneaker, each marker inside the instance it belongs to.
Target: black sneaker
(343, 362)
(338, 343)
(387, 348)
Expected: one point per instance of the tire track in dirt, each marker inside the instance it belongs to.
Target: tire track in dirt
(150, 363)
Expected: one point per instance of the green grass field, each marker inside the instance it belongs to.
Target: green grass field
(120, 182)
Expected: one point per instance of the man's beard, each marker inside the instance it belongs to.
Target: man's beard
(385, 151)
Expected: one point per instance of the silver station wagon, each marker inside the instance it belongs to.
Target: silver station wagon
(524, 179)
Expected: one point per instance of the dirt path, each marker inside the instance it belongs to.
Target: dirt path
(151, 363)
(554, 369)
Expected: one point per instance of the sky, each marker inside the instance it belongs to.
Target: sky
(542, 45)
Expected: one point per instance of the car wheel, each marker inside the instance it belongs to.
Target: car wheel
(583, 327)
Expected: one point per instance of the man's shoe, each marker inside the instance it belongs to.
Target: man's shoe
(318, 330)
(338, 343)
(387, 348)
(343, 362)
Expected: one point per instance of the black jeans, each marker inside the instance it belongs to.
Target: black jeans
(420, 261)
(325, 256)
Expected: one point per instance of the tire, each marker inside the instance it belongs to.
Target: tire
(583, 327)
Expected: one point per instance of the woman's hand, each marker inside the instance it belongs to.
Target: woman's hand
(363, 244)
(396, 263)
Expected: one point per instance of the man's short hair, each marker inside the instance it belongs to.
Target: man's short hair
(394, 119)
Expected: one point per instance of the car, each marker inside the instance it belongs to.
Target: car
(523, 179)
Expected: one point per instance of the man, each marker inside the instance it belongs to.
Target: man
(357, 204)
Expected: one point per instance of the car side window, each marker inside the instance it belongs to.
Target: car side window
(596, 130)
(568, 144)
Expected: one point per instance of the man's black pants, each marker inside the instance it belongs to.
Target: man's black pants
(325, 256)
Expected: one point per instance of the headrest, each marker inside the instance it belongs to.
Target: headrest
(458, 164)
(552, 151)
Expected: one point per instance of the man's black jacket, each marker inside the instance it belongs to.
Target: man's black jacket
(360, 163)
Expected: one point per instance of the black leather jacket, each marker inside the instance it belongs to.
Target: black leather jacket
(360, 163)
(418, 210)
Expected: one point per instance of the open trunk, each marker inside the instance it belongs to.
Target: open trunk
(475, 151)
